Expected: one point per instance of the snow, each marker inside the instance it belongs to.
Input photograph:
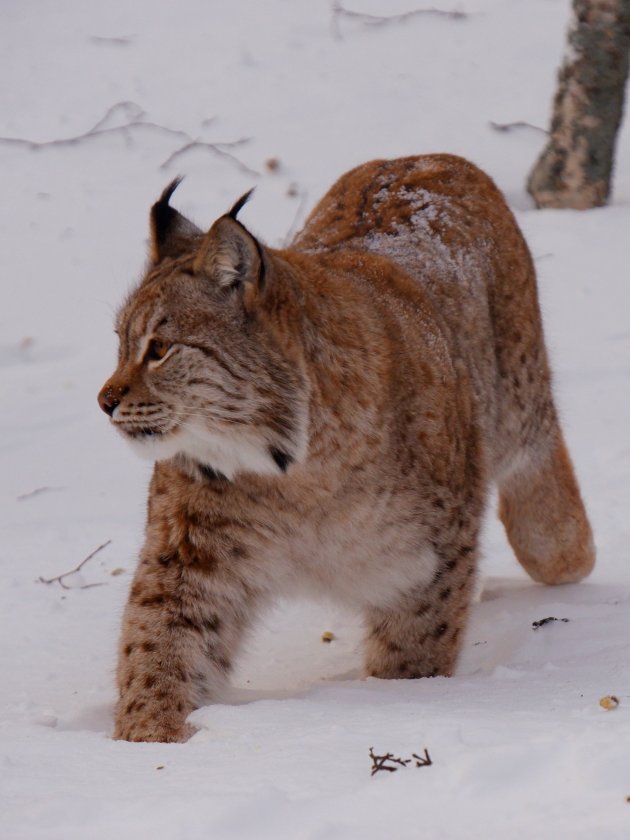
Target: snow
(519, 743)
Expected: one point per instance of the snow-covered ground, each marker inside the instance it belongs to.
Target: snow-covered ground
(520, 746)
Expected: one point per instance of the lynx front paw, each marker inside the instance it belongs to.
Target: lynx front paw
(163, 728)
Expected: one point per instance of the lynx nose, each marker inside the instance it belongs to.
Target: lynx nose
(110, 396)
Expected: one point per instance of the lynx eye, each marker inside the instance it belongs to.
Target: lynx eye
(156, 350)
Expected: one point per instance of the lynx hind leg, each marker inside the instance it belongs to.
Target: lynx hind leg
(422, 636)
(544, 517)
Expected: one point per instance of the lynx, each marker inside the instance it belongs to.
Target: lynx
(327, 419)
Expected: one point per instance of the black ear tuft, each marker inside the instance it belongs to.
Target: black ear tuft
(171, 234)
(170, 189)
(162, 215)
(233, 213)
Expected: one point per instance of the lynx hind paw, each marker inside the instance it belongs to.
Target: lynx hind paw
(569, 567)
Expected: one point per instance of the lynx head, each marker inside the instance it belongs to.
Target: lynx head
(203, 374)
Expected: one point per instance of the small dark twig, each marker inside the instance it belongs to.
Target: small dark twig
(59, 578)
(543, 621)
(214, 148)
(131, 110)
(339, 11)
(135, 121)
(37, 492)
(505, 127)
(422, 761)
(380, 762)
(117, 41)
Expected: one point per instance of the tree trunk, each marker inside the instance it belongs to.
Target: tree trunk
(575, 168)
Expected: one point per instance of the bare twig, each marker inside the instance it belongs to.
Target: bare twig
(402, 761)
(339, 11)
(135, 120)
(133, 112)
(59, 578)
(423, 761)
(117, 41)
(505, 127)
(130, 109)
(214, 148)
(37, 492)
(549, 620)
(380, 762)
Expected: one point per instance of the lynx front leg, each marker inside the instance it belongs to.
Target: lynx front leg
(543, 514)
(422, 637)
(180, 633)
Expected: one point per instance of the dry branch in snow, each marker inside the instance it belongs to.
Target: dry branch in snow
(424, 760)
(518, 124)
(380, 762)
(216, 149)
(549, 620)
(135, 120)
(116, 41)
(59, 578)
(36, 492)
(339, 11)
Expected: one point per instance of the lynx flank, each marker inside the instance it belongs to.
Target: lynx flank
(328, 419)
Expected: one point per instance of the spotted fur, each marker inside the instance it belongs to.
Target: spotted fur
(328, 418)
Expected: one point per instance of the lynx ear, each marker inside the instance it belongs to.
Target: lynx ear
(172, 235)
(230, 254)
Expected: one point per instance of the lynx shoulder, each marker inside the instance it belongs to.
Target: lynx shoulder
(329, 418)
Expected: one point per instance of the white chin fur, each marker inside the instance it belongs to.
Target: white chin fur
(227, 453)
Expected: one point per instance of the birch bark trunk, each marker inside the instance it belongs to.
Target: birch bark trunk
(575, 168)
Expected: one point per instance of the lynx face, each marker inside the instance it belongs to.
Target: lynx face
(198, 376)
